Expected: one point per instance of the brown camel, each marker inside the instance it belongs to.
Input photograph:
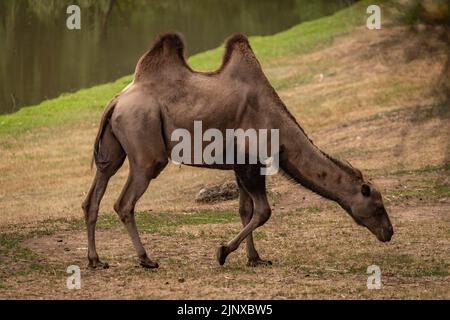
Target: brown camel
(167, 94)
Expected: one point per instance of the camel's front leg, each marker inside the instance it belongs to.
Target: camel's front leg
(246, 213)
(255, 185)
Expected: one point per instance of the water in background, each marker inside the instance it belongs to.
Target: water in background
(40, 58)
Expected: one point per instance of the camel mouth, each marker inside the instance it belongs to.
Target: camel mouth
(381, 227)
(385, 234)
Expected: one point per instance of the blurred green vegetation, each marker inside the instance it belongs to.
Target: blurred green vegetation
(431, 12)
(49, 9)
(431, 19)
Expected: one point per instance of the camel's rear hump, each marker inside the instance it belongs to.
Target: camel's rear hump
(239, 60)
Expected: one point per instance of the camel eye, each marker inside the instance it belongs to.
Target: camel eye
(365, 190)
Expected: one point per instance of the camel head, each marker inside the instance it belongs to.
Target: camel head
(367, 209)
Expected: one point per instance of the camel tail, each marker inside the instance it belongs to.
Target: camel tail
(107, 113)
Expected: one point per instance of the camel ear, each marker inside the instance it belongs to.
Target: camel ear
(365, 190)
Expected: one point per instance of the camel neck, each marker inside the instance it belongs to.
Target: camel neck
(313, 168)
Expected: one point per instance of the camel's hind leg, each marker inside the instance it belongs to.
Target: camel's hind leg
(138, 181)
(113, 156)
(246, 213)
(147, 156)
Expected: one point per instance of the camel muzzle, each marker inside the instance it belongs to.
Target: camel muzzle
(385, 234)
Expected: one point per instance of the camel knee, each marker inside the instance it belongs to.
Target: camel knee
(246, 215)
(85, 206)
(90, 214)
(262, 216)
(245, 208)
(126, 216)
(125, 212)
(89, 210)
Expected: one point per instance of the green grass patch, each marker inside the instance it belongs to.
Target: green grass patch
(305, 74)
(167, 222)
(15, 253)
(427, 169)
(260, 235)
(401, 264)
(84, 105)
(309, 209)
(437, 189)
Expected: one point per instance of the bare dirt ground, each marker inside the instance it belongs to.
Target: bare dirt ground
(367, 98)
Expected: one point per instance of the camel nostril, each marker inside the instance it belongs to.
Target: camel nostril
(385, 234)
(389, 234)
(391, 230)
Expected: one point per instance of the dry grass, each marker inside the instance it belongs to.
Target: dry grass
(363, 98)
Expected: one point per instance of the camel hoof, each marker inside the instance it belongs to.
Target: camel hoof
(258, 262)
(148, 264)
(97, 264)
(222, 255)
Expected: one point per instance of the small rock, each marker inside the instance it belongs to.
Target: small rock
(319, 77)
(226, 191)
(181, 280)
